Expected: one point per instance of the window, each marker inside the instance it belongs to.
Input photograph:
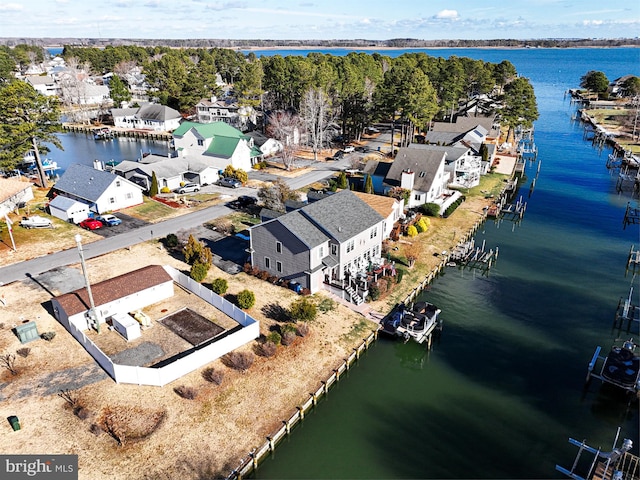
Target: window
(334, 250)
(417, 197)
(279, 266)
(279, 247)
(267, 262)
(200, 142)
(321, 252)
(112, 200)
(373, 233)
(350, 245)
(117, 183)
(129, 196)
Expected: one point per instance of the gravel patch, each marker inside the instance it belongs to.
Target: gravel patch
(138, 356)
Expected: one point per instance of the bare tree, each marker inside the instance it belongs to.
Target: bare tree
(317, 115)
(8, 361)
(124, 68)
(412, 252)
(73, 89)
(285, 127)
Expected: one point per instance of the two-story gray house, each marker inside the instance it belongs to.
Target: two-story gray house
(328, 242)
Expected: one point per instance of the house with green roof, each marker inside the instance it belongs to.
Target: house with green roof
(217, 143)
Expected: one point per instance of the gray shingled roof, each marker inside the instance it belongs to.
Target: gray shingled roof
(157, 112)
(85, 182)
(453, 153)
(463, 124)
(342, 215)
(63, 203)
(302, 228)
(423, 162)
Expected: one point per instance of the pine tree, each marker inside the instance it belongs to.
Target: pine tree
(368, 185)
(153, 190)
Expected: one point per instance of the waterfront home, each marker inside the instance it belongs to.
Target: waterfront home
(217, 143)
(68, 209)
(154, 117)
(170, 172)
(14, 194)
(227, 110)
(462, 162)
(330, 243)
(102, 191)
(44, 84)
(422, 173)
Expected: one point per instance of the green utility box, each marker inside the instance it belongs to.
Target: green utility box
(15, 423)
(27, 332)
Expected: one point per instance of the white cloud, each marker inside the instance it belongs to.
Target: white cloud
(10, 7)
(447, 15)
(592, 22)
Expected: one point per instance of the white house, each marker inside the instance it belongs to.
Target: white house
(68, 209)
(217, 143)
(102, 191)
(421, 172)
(170, 171)
(158, 118)
(43, 84)
(13, 194)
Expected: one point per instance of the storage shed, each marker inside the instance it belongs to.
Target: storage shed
(68, 209)
(126, 326)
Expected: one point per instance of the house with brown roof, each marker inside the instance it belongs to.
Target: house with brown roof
(14, 194)
(114, 300)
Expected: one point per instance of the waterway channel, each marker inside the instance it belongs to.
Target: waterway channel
(503, 389)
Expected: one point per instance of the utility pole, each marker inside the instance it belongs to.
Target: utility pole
(93, 317)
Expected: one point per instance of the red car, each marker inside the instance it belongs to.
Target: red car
(91, 224)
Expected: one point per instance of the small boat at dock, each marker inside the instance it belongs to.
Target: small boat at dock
(416, 323)
(621, 367)
(102, 134)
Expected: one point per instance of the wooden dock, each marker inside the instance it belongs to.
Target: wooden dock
(631, 216)
(468, 255)
(633, 260)
(118, 132)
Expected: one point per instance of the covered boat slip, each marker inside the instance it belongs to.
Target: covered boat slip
(621, 367)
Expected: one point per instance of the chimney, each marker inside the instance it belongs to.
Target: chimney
(98, 165)
(408, 179)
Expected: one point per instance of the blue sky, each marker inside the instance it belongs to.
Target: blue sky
(320, 19)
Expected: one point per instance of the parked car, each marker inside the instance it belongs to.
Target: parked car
(36, 221)
(371, 130)
(109, 220)
(189, 188)
(91, 224)
(349, 149)
(247, 201)
(229, 182)
(338, 155)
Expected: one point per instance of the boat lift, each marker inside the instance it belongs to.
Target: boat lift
(617, 367)
(618, 464)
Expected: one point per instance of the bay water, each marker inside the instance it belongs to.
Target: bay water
(503, 389)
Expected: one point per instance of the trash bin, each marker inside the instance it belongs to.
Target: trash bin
(15, 423)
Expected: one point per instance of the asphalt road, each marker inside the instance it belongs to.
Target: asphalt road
(36, 266)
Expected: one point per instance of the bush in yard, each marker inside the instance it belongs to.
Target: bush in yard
(219, 286)
(431, 209)
(165, 190)
(199, 271)
(451, 208)
(326, 305)
(188, 393)
(303, 309)
(196, 251)
(302, 329)
(241, 361)
(171, 240)
(267, 349)
(263, 275)
(48, 336)
(212, 375)
(374, 293)
(130, 423)
(422, 225)
(412, 231)
(246, 299)
(399, 275)
(289, 333)
(274, 337)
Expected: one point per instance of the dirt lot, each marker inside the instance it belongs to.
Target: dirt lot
(197, 438)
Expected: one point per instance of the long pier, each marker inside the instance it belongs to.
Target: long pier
(118, 132)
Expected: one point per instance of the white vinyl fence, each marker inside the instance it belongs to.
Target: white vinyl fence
(198, 357)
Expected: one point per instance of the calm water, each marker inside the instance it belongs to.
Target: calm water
(502, 391)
